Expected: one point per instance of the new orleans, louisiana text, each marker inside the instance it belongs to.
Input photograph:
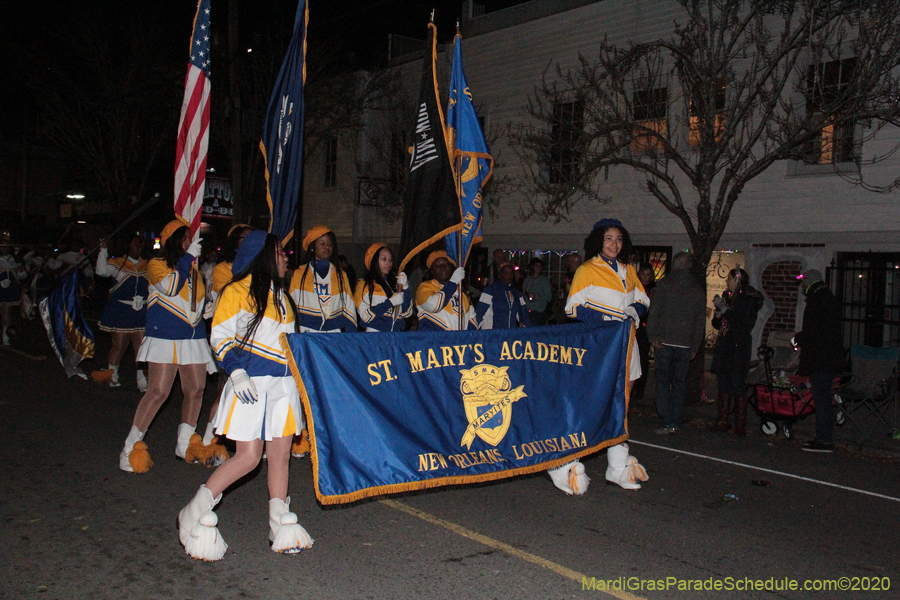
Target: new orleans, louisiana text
(740, 584)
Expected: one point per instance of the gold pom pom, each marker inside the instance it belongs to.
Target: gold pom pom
(194, 452)
(300, 448)
(215, 453)
(104, 376)
(139, 458)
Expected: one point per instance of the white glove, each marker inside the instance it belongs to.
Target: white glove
(397, 299)
(719, 303)
(401, 281)
(244, 387)
(631, 313)
(458, 275)
(194, 249)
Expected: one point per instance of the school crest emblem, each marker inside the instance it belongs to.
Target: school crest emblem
(487, 397)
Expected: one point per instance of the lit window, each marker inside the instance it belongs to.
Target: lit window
(565, 151)
(697, 109)
(827, 89)
(649, 110)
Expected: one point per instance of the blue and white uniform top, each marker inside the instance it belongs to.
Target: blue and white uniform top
(175, 332)
(277, 412)
(375, 310)
(11, 273)
(324, 301)
(501, 306)
(439, 307)
(126, 309)
(601, 291)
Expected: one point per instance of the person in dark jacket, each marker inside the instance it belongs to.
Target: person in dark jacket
(501, 305)
(735, 318)
(821, 353)
(675, 326)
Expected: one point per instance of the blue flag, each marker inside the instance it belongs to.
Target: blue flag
(470, 156)
(394, 412)
(282, 142)
(70, 336)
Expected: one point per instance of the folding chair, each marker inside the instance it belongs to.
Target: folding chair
(869, 399)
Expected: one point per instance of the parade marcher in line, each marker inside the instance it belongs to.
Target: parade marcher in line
(125, 313)
(501, 305)
(174, 344)
(605, 289)
(383, 300)
(537, 292)
(647, 276)
(735, 318)
(498, 257)
(676, 327)
(437, 300)
(323, 297)
(571, 262)
(821, 353)
(11, 274)
(260, 405)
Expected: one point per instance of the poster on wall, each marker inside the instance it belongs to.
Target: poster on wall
(720, 264)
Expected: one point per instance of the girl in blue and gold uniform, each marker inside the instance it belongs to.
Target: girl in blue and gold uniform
(11, 273)
(125, 313)
(260, 405)
(383, 300)
(437, 299)
(320, 288)
(174, 342)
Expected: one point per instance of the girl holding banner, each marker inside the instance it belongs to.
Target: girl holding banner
(260, 405)
(605, 289)
(174, 344)
(383, 300)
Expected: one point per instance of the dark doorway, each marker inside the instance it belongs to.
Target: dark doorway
(868, 286)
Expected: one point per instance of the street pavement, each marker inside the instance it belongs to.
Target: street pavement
(74, 526)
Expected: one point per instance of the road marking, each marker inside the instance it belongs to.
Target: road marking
(25, 354)
(492, 543)
(765, 470)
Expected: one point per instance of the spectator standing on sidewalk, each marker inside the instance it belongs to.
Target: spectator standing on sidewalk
(821, 353)
(676, 327)
(648, 279)
(537, 292)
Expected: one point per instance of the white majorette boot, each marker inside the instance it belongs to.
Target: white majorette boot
(141, 381)
(570, 478)
(134, 436)
(185, 432)
(197, 530)
(287, 536)
(114, 380)
(624, 470)
(209, 434)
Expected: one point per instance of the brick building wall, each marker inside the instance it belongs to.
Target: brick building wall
(779, 284)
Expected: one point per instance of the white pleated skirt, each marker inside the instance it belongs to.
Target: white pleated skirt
(177, 352)
(275, 414)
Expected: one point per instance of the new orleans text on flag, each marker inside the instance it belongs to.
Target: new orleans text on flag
(70, 336)
(193, 127)
(430, 203)
(282, 142)
(471, 159)
(394, 412)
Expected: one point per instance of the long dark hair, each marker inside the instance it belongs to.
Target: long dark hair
(373, 276)
(311, 257)
(263, 272)
(593, 244)
(173, 249)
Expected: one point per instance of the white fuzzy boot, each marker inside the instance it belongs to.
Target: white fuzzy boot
(209, 434)
(189, 516)
(287, 536)
(114, 380)
(135, 435)
(141, 382)
(197, 530)
(624, 470)
(570, 478)
(185, 432)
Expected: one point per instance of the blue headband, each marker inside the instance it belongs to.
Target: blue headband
(249, 250)
(604, 223)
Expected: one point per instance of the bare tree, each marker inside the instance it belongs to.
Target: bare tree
(736, 86)
(110, 97)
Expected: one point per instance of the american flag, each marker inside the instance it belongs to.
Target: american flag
(193, 129)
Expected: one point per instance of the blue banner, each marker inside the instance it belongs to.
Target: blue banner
(394, 412)
(282, 142)
(471, 158)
